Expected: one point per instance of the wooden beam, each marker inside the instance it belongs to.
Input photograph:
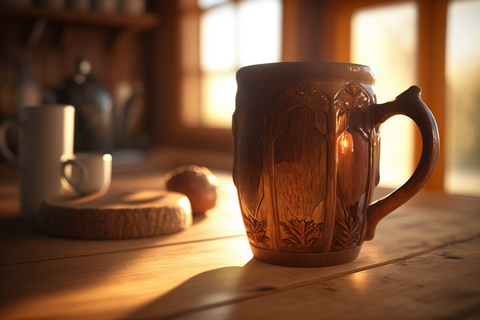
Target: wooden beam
(431, 75)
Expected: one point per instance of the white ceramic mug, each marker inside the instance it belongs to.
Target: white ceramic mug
(87, 173)
(46, 134)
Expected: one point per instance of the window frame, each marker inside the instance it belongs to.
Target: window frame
(168, 71)
(165, 121)
(313, 30)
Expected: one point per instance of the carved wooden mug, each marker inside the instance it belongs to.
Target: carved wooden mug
(306, 159)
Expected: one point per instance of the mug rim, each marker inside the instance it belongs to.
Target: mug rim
(106, 157)
(292, 71)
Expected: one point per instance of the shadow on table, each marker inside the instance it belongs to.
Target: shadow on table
(35, 265)
(214, 288)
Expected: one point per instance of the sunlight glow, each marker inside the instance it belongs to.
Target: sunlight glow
(217, 39)
(233, 35)
(359, 280)
(205, 4)
(218, 99)
(462, 174)
(259, 36)
(384, 37)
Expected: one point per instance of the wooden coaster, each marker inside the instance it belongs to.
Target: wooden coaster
(115, 215)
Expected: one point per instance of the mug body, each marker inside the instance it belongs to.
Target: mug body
(306, 159)
(89, 173)
(46, 134)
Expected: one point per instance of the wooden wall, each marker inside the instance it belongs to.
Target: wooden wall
(115, 44)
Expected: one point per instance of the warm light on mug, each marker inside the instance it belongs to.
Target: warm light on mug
(346, 141)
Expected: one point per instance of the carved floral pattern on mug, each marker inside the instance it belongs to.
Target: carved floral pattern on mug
(352, 96)
(302, 234)
(256, 231)
(348, 233)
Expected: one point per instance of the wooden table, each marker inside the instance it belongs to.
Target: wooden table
(424, 263)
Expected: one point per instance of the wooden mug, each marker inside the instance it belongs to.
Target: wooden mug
(306, 159)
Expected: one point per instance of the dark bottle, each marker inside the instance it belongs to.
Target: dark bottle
(93, 110)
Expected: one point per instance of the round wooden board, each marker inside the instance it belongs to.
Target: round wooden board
(116, 215)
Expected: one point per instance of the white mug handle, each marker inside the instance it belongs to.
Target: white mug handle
(82, 168)
(4, 149)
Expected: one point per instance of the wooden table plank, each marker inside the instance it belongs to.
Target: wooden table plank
(21, 242)
(208, 269)
(107, 286)
(165, 281)
(443, 284)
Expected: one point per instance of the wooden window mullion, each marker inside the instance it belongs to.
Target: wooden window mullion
(431, 75)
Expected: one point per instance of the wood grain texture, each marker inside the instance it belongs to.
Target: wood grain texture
(170, 280)
(306, 159)
(205, 266)
(115, 215)
(256, 279)
(443, 284)
(24, 243)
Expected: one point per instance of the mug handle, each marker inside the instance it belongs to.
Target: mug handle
(4, 149)
(411, 105)
(82, 168)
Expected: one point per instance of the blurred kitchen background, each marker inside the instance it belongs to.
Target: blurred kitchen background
(158, 77)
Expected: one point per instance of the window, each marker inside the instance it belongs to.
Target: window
(463, 98)
(446, 59)
(434, 44)
(231, 34)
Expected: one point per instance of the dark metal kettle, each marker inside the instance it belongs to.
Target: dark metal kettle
(93, 105)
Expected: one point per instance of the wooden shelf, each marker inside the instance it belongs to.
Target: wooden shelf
(127, 25)
(118, 20)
